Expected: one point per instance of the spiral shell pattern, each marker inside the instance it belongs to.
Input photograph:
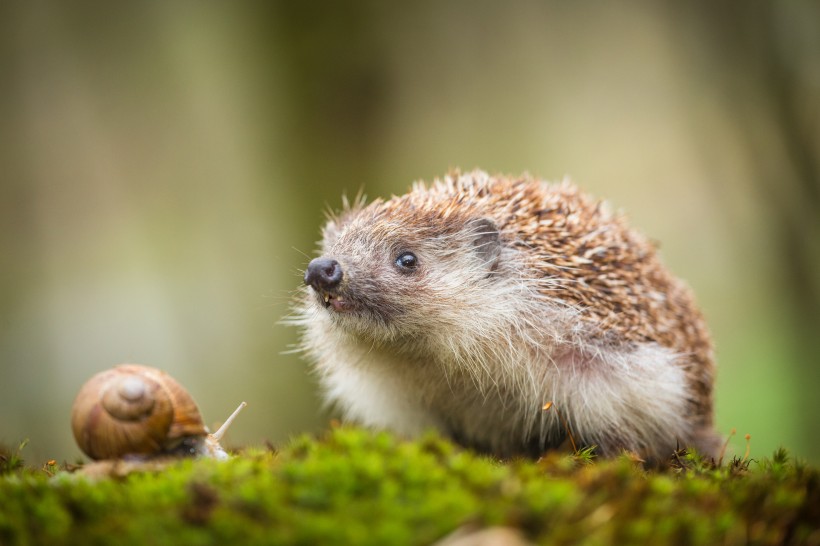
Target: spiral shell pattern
(133, 410)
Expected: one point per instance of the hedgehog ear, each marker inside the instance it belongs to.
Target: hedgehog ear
(486, 240)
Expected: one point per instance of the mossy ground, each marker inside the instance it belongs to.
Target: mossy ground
(357, 487)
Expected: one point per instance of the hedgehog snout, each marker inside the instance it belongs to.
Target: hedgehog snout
(323, 274)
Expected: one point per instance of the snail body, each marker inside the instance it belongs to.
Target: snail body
(135, 410)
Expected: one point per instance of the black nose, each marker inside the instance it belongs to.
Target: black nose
(323, 273)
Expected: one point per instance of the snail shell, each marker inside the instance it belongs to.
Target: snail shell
(135, 410)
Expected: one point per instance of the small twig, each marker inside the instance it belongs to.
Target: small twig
(549, 405)
(726, 446)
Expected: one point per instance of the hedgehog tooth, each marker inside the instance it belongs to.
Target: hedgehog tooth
(327, 298)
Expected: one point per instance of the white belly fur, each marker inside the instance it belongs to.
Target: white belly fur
(615, 398)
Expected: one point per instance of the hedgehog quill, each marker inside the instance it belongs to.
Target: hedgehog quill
(470, 304)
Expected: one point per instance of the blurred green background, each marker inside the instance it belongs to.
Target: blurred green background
(164, 167)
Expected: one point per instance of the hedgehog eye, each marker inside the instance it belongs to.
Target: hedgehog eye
(407, 261)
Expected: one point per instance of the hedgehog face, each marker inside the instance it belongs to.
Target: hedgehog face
(390, 278)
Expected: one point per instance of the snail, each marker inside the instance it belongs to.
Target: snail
(135, 410)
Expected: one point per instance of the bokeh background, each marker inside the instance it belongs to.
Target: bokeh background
(164, 167)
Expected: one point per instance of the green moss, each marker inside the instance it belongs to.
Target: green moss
(11, 460)
(359, 487)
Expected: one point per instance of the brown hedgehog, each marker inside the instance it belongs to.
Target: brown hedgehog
(469, 305)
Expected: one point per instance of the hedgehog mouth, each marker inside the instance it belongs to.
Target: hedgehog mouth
(334, 301)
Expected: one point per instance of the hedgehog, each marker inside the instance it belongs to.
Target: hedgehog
(511, 315)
